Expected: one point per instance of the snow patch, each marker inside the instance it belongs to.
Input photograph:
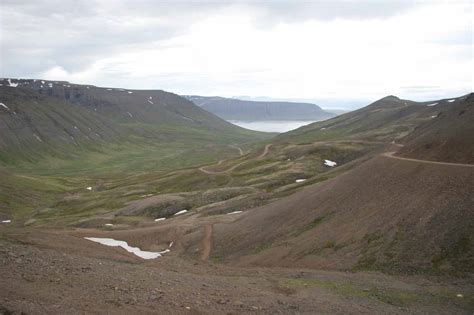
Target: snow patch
(432, 104)
(6, 221)
(235, 212)
(150, 102)
(330, 163)
(3, 105)
(187, 118)
(37, 137)
(450, 101)
(11, 84)
(434, 116)
(300, 180)
(42, 82)
(130, 114)
(134, 250)
(181, 212)
(160, 219)
(109, 89)
(130, 92)
(89, 188)
(323, 128)
(108, 224)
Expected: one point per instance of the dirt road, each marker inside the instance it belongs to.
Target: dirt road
(206, 242)
(241, 152)
(265, 151)
(233, 167)
(392, 156)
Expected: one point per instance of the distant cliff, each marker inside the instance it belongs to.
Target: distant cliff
(235, 109)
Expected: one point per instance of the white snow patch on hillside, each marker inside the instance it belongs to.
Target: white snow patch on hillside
(6, 221)
(3, 105)
(450, 101)
(187, 118)
(89, 188)
(11, 84)
(150, 102)
(130, 92)
(330, 163)
(432, 104)
(159, 219)
(300, 180)
(37, 137)
(130, 114)
(134, 250)
(235, 212)
(181, 212)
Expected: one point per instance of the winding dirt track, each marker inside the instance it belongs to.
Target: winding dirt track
(206, 242)
(241, 152)
(203, 168)
(230, 169)
(392, 156)
(265, 151)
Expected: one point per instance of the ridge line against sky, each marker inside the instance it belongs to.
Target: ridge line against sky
(339, 54)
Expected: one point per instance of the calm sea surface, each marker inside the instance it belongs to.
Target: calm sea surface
(271, 126)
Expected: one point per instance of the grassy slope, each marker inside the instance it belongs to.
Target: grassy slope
(80, 146)
(384, 120)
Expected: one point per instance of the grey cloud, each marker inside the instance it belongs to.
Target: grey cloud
(38, 35)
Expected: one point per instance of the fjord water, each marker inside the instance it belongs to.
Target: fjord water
(271, 125)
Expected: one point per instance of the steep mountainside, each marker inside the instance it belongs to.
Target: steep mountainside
(149, 106)
(33, 122)
(235, 109)
(387, 119)
(58, 119)
(448, 137)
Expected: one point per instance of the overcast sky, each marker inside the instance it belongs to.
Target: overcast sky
(338, 53)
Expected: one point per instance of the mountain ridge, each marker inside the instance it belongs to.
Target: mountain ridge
(236, 109)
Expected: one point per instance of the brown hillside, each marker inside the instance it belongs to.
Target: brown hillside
(386, 214)
(448, 137)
